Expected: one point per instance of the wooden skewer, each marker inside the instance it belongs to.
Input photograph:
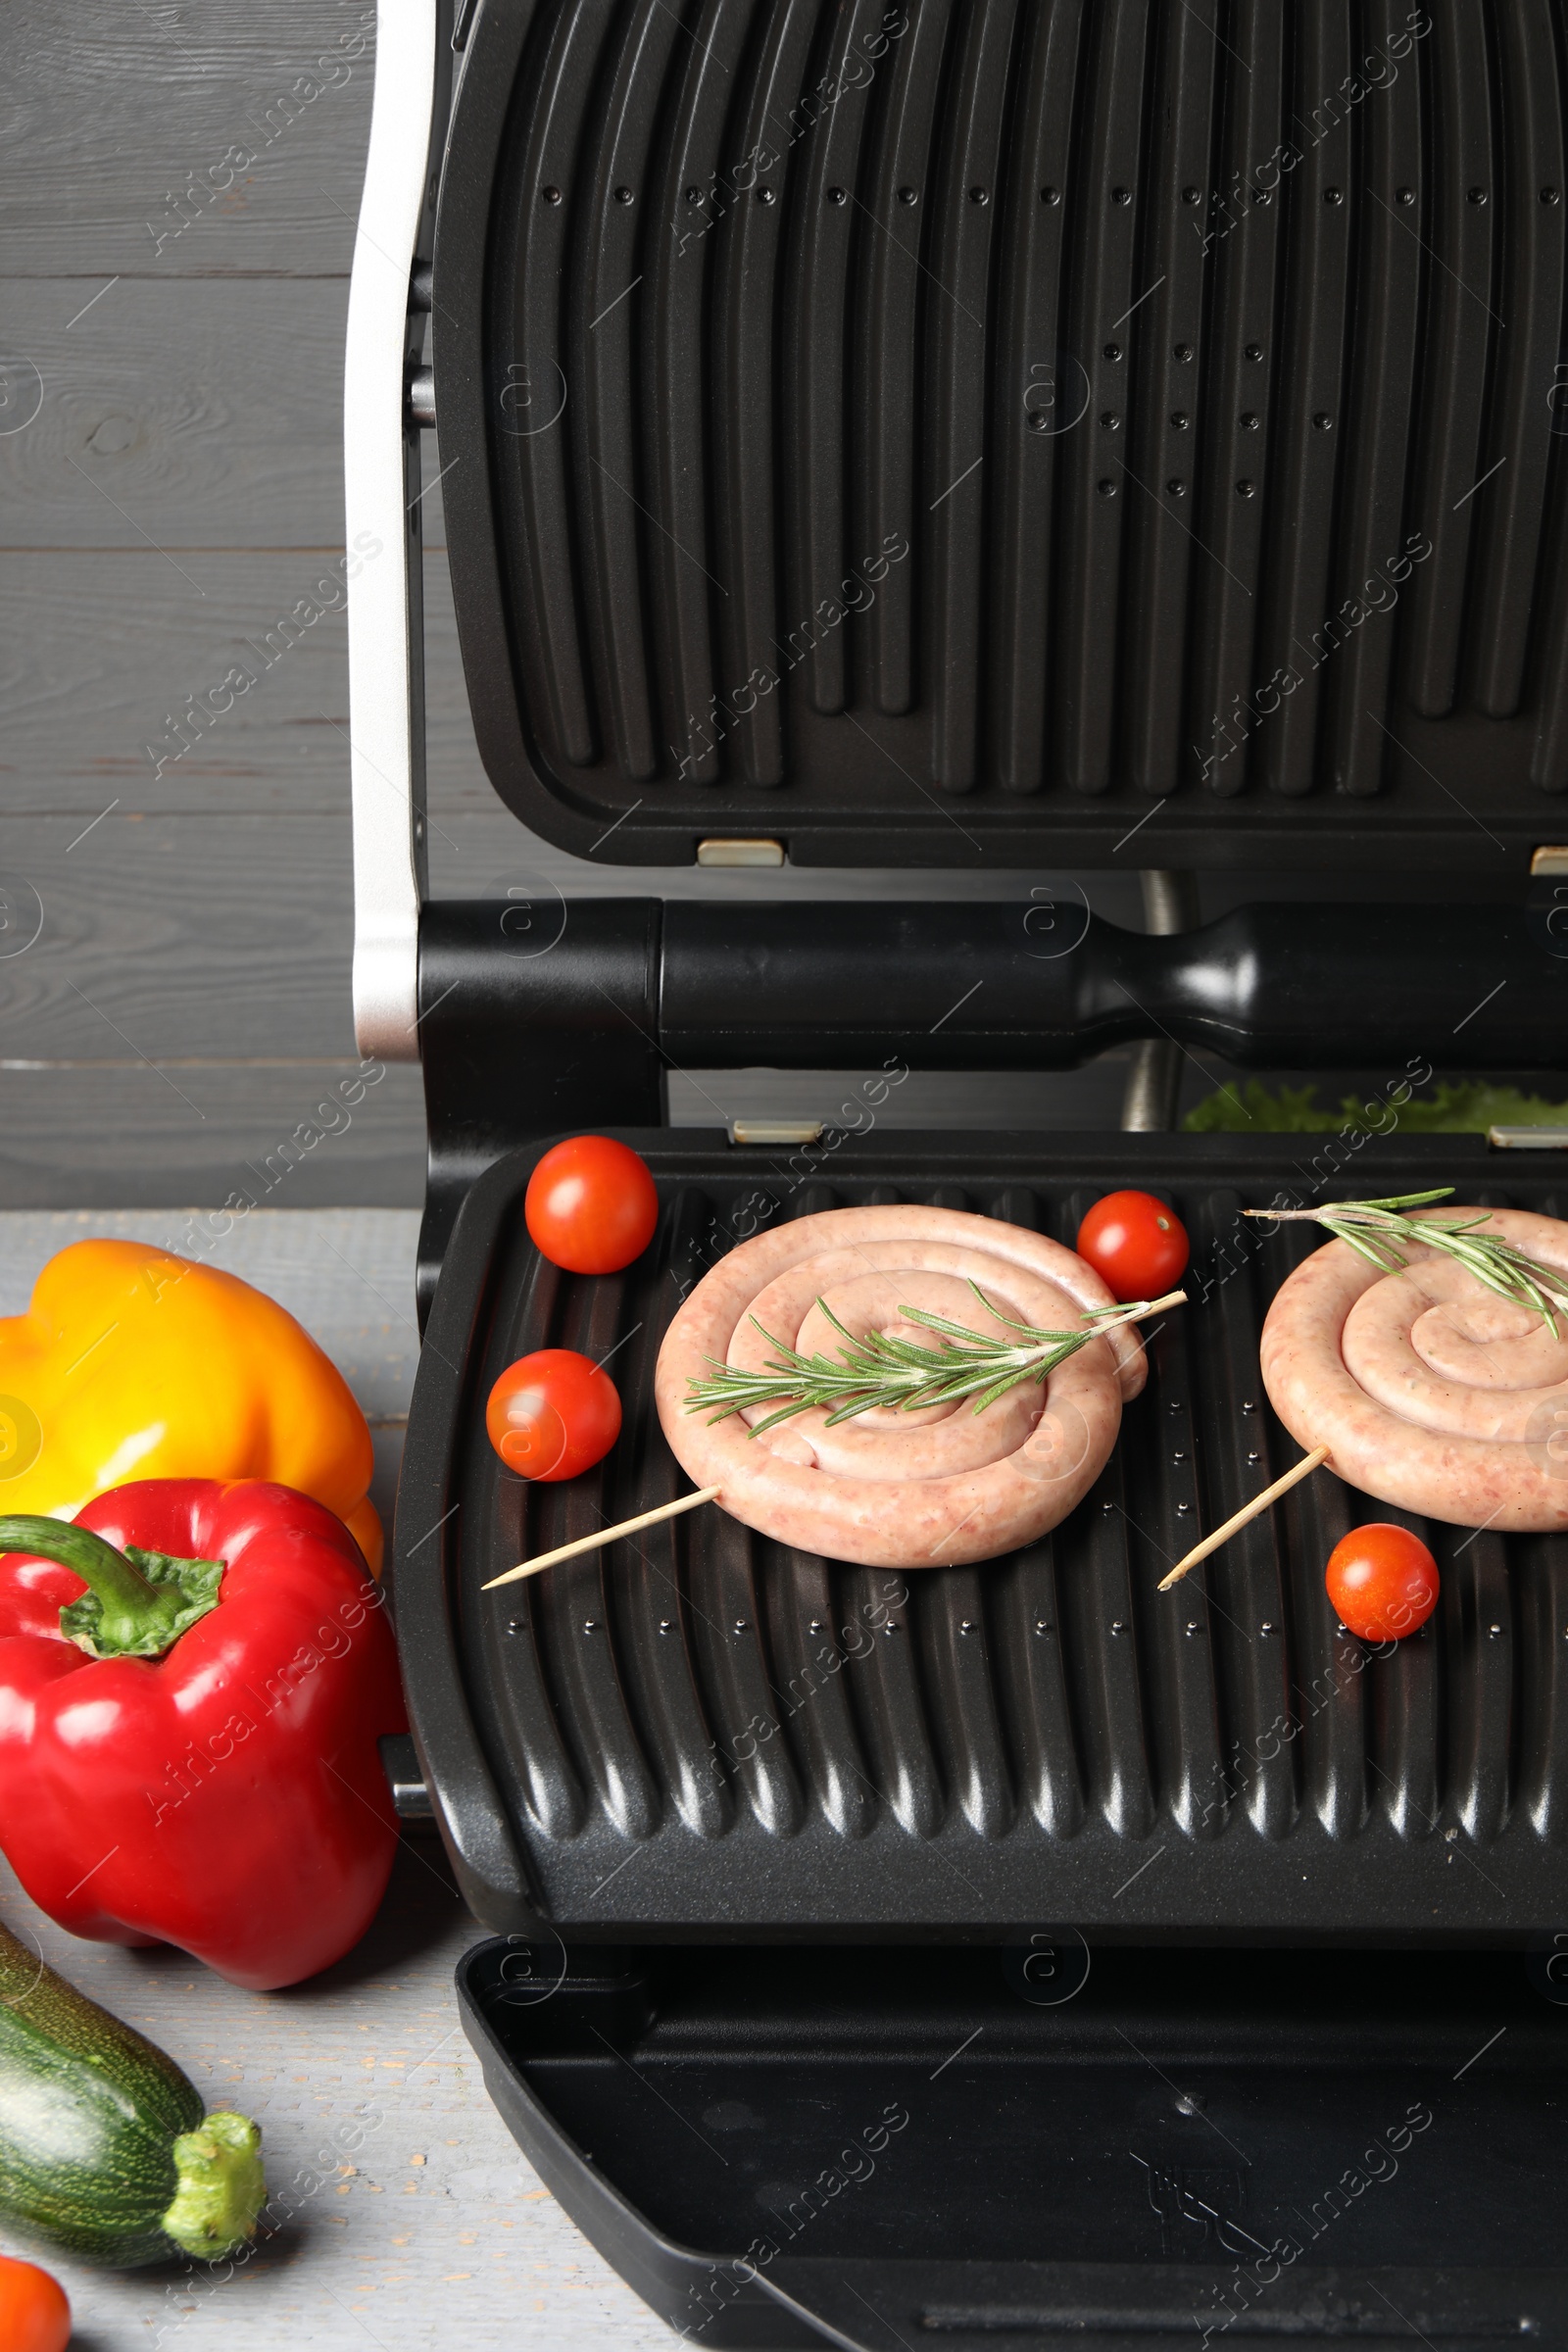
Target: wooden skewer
(671, 1510)
(1239, 1519)
(606, 1535)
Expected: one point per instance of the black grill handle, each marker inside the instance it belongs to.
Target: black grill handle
(591, 998)
(1047, 986)
(548, 1016)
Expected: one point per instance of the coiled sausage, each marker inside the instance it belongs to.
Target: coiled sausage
(1431, 1391)
(891, 1489)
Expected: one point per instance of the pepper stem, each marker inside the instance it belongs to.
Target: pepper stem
(222, 2187)
(137, 1603)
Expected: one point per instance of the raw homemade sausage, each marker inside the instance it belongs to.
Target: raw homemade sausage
(1431, 1391)
(894, 1488)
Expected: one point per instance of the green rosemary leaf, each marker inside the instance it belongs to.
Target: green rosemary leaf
(898, 1374)
(1008, 1319)
(941, 1323)
(1381, 1232)
(1375, 1252)
(785, 1412)
(1396, 1200)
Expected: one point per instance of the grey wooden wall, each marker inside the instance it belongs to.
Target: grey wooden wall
(170, 484)
(180, 183)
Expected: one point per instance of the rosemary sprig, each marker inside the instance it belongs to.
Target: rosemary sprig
(1380, 1232)
(880, 1370)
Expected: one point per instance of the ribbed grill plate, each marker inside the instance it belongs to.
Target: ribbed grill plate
(702, 1731)
(953, 428)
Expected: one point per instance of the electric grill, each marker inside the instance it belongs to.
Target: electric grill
(982, 432)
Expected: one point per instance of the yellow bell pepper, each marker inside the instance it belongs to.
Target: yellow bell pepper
(131, 1363)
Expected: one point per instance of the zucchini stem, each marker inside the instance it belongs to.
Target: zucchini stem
(222, 2187)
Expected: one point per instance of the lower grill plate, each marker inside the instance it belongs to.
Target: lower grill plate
(700, 1733)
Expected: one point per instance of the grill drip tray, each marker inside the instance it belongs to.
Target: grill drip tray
(704, 1734)
(905, 2147)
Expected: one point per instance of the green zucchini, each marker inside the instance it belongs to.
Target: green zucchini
(105, 2149)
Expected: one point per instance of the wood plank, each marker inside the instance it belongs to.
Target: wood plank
(106, 651)
(185, 138)
(196, 414)
(220, 937)
(134, 1134)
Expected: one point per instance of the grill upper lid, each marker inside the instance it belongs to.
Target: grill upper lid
(970, 428)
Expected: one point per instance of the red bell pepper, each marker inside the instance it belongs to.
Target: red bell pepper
(193, 1678)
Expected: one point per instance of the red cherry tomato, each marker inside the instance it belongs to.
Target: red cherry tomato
(1136, 1244)
(552, 1414)
(591, 1205)
(1382, 1580)
(35, 2315)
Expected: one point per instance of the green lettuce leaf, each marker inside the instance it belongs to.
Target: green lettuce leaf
(1454, 1107)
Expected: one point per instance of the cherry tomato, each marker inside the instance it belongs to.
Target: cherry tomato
(1382, 1580)
(35, 2315)
(1136, 1244)
(591, 1205)
(552, 1414)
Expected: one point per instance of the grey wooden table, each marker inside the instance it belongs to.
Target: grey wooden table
(413, 2218)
